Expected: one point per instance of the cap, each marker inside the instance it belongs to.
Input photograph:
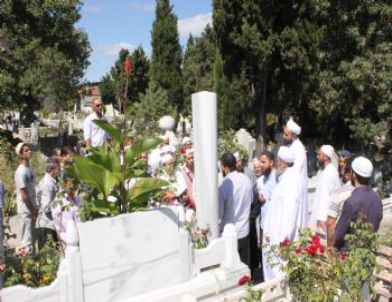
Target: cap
(345, 153)
(328, 150)
(286, 154)
(166, 158)
(362, 166)
(293, 126)
(186, 140)
(18, 148)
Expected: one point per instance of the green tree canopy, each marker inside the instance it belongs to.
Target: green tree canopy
(47, 54)
(166, 58)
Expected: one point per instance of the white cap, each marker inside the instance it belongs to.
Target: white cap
(362, 166)
(165, 149)
(189, 151)
(328, 150)
(186, 140)
(286, 154)
(293, 126)
(237, 155)
(166, 158)
(19, 147)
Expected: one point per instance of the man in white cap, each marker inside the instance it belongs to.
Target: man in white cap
(25, 196)
(363, 201)
(282, 215)
(291, 134)
(327, 184)
(185, 177)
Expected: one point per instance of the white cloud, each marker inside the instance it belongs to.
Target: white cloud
(141, 7)
(112, 50)
(93, 8)
(193, 25)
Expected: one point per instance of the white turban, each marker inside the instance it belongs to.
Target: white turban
(329, 151)
(286, 154)
(237, 155)
(362, 166)
(189, 151)
(186, 140)
(166, 149)
(293, 126)
(166, 158)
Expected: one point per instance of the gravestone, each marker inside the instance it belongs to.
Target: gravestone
(246, 140)
(132, 254)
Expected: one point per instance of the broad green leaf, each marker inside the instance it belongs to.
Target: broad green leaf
(113, 131)
(145, 186)
(93, 174)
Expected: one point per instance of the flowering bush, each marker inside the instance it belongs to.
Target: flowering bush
(315, 276)
(33, 270)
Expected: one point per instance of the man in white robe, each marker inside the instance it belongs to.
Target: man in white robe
(327, 184)
(283, 211)
(291, 139)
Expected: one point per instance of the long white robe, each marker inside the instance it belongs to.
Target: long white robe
(281, 218)
(327, 184)
(301, 166)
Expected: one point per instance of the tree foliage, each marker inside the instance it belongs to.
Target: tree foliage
(112, 85)
(166, 58)
(198, 65)
(47, 55)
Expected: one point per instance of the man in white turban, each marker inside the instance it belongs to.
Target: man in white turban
(291, 139)
(327, 184)
(283, 211)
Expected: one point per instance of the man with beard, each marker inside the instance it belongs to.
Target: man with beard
(235, 198)
(281, 218)
(291, 139)
(327, 184)
(185, 176)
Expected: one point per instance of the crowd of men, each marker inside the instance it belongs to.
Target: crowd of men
(267, 201)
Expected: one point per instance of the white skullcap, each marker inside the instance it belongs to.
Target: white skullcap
(237, 155)
(166, 158)
(189, 151)
(293, 126)
(328, 150)
(186, 140)
(165, 149)
(19, 147)
(286, 154)
(362, 166)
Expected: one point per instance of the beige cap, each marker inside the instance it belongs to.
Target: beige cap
(18, 148)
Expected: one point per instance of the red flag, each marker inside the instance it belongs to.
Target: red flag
(128, 66)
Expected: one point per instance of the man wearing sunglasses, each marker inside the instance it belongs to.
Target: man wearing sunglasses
(94, 136)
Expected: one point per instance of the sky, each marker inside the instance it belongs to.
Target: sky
(115, 24)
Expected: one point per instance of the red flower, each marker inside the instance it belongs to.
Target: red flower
(321, 249)
(244, 279)
(285, 242)
(22, 252)
(311, 249)
(316, 239)
(128, 66)
(298, 251)
(3, 267)
(343, 255)
(182, 150)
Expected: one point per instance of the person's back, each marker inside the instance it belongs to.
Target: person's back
(237, 191)
(363, 202)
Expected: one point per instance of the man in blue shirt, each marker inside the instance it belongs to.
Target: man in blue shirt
(363, 200)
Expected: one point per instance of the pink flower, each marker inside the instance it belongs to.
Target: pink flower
(3, 267)
(298, 251)
(22, 252)
(244, 279)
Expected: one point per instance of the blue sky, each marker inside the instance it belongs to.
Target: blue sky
(112, 25)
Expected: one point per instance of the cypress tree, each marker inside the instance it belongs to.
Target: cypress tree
(166, 58)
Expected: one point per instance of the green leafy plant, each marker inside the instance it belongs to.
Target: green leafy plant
(228, 143)
(108, 169)
(252, 295)
(315, 276)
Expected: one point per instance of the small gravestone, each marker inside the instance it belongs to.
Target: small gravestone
(246, 140)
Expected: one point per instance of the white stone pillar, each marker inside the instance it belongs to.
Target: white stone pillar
(204, 118)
